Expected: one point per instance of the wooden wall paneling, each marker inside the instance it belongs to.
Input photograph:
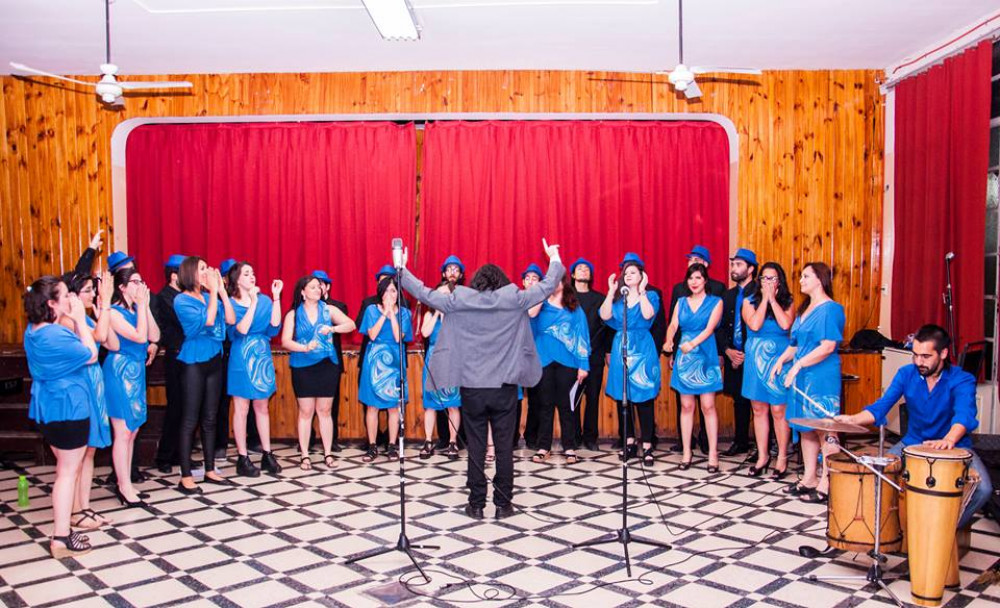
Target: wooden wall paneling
(9, 241)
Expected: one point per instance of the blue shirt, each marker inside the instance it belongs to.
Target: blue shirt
(201, 342)
(930, 415)
(60, 384)
(562, 336)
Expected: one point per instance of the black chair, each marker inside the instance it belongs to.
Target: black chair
(972, 358)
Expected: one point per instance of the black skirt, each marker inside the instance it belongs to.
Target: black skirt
(318, 380)
(66, 434)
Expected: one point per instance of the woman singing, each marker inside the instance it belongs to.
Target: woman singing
(696, 368)
(814, 377)
(639, 309)
(767, 312)
(437, 399)
(251, 366)
(308, 335)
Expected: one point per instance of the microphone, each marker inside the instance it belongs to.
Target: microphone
(949, 256)
(397, 253)
(624, 290)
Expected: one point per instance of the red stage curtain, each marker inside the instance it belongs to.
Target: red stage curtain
(941, 149)
(492, 190)
(287, 197)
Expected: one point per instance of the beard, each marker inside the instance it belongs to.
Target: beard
(584, 281)
(925, 371)
(737, 278)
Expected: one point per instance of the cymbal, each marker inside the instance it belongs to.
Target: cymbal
(828, 424)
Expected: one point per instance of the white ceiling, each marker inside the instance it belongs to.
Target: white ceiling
(227, 36)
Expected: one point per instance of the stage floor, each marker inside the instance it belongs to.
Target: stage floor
(283, 541)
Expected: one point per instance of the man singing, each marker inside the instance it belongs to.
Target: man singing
(452, 274)
(742, 271)
(582, 272)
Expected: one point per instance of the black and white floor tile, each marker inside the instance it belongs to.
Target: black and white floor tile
(284, 541)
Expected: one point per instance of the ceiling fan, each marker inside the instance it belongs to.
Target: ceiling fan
(682, 77)
(109, 89)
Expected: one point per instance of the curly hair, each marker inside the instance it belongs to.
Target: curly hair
(489, 277)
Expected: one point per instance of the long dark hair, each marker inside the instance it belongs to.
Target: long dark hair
(36, 300)
(825, 275)
(122, 277)
(570, 300)
(233, 278)
(489, 277)
(297, 298)
(187, 274)
(783, 295)
(621, 278)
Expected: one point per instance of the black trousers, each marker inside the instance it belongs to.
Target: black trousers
(553, 393)
(702, 437)
(495, 407)
(742, 411)
(592, 392)
(166, 449)
(531, 423)
(202, 384)
(222, 415)
(647, 420)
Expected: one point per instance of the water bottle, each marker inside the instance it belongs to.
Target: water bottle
(22, 491)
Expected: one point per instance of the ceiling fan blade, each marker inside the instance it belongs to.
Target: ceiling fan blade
(693, 91)
(23, 68)
(715, 70)
(173, 84)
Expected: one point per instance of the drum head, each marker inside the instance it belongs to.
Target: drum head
(923, 451)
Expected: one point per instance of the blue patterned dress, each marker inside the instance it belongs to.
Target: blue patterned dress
(643, 360)
(821, 382)
(380, 374)
(696, 372)
(125, 377)
(443, 397)
(100, 426)
(251, 366)
(763, 348)
(562, 336)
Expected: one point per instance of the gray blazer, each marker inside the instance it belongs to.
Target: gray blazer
(486, 338)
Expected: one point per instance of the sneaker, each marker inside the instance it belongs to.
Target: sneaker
(246, 468)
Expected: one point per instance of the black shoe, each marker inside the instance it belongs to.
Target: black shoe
(189, 491)
(685, 465)
(246, 468)
(441, 445)
(452, 451)
(631, 451)
(391, 453)
(617, 445)
(127, 503)
(735, 449)
(336, 447)
(139, 476)
(505, 511)
(426, 451)
(165, 467)
(647, 458)
(269, 463)
(755, 472)
(592, 446)
(677, 448)
(474, 512)
(222, 481)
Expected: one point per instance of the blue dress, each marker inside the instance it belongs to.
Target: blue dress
(763, 348)
(562, 337)
(100, 426)
(201, 342)
(821, 382)
(696, 372)
(643, 360)
(60, 384)
(306, 331)
(251, 366)
(443, 397)
(125, 377)
(380, 373)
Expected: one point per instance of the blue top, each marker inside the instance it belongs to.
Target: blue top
(251, 366)
(201, 342)
(306, 331)
(644, 361)
(562, 336)
(930, 415)
(380, 379)
(60, 384)
(821, 382)
(133, 350)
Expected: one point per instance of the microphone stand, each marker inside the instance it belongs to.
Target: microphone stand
(623, 535)
(403, 544)
(949, 302)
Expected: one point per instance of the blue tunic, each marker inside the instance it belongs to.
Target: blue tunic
(306, 331)
(100, 426)
(821, 382)
(763, 348)
(643, 362)
(563, 337)
(696, 372)
(251, 366)
(201, 342)
(380, 373)
(444, 397)
(125, 377)
(60, 385)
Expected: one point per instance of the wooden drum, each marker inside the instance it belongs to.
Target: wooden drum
(851, 510)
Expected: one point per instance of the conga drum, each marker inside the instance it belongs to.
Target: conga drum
(851, 507)
(934, 486)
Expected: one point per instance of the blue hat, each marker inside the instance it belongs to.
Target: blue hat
(118, 259)
(453, 259)
(746, 255)
(579, 261)
(322, 276)
(227, 265)
(535, 268)
(631, 258)
(385, 271)
(174, 261)
(701, 252)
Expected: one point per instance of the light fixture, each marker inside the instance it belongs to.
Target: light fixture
(393, 18)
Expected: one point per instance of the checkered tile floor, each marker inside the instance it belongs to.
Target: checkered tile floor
(283, 541)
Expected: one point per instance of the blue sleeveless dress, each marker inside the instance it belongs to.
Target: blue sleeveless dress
(821, 382)
(306, 331)
(125, 377)
(443, 397)
(380, 374)
(696, 372)
(100, 425)
(643, 360)
(251, 366)
(763, 348)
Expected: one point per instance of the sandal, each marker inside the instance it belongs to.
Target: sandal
(814, 497)
(370, 455)
(427, 450)
(540, 456)
(798, 489)
(329, 461)
(305, 464)
(72, 546)
(572, 458)
(83, 520)
(392, 453)
(647, 458)
(452, 451)
(104, 520)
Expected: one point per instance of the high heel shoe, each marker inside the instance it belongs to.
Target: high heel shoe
(685, 465)
(755, 472)
(779, 475)
(128, 504)
(712, 469)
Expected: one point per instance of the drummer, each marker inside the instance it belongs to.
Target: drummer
(941, 406)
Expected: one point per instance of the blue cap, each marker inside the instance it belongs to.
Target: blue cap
(746, 255)
(701, 252)
(453, 259)
(118, 259)
(322, 276)
(385, 271)
(227, 265)
(174, 261)
(535, 268)
(579, 261)
(631, 258)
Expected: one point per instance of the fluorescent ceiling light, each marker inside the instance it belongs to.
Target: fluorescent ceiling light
(393, 18)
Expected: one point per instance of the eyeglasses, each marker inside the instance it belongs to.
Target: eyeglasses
(769, 279)
(136, 282)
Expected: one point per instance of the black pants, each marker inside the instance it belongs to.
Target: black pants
(702, 437)
(743, 414)
(647, 420)
(592, 391)
(553, 393)
(495, 407)
(202, 383)
(166, 450)
(222, 415)
(531, 423)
